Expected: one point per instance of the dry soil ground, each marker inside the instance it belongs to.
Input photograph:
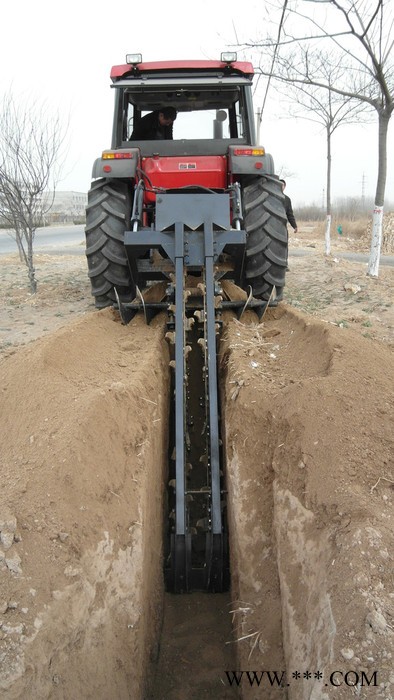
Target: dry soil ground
(307, 414)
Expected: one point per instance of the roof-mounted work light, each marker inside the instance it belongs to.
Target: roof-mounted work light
(134, 58)
(228, 56)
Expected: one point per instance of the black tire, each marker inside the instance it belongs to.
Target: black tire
(265, 222)
(107, 218)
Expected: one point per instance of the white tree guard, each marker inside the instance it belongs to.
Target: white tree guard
(376, 242)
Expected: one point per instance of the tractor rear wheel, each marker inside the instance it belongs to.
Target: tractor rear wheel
(107, 218)
(265, 222)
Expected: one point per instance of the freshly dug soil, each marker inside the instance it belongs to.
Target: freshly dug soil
(84, 459)
(307, 416)
(309, 444)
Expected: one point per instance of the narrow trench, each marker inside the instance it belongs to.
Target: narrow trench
(199, 649)
(196, 646)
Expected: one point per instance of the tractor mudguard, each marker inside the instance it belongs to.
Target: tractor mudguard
(248, 160)
(121, 163)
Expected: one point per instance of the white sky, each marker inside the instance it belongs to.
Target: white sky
(63, 55)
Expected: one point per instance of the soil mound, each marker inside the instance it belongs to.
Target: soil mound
(84, 419)
(308, 433)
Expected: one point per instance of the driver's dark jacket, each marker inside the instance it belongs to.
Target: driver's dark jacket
(148, 128)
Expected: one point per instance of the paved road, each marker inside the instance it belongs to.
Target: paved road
(355, 257)
(60, 240)
(51, 239)
(359, 257)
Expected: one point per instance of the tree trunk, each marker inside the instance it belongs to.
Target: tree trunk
(328, 219)
(377, 217)
(19, 243)
(30, 264)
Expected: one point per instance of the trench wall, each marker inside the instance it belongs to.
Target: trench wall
(293, 519)
(84, 461)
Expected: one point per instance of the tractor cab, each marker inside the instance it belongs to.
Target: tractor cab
(212, 100)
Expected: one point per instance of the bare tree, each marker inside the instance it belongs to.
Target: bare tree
(321, 106)
(362, 33)
(30, 150)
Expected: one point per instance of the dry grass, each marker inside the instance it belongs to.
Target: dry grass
(352, 229)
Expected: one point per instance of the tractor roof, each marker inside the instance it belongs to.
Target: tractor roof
(183, 68)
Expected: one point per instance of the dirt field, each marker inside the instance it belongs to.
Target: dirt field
(307, 414)
(332, 289)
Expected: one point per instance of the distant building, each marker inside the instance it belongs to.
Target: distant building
(67, 207)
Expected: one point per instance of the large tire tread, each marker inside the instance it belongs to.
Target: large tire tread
(266, 226)
(107, 216)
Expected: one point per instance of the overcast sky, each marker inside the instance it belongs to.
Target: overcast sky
(63, 54)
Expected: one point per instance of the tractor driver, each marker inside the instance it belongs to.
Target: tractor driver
(156, 125)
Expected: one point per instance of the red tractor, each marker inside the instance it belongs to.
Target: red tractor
(178, 212)
(213, 150)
